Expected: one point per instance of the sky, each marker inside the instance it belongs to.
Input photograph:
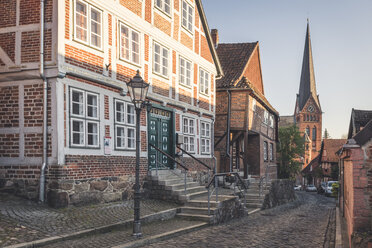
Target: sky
(341, 37)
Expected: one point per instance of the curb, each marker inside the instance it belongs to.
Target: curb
(163, 236)
(163, 215)
(338, 239)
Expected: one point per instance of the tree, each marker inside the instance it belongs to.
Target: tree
(326, 134)
(291, 148)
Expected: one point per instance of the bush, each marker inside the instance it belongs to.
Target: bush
(335, 187)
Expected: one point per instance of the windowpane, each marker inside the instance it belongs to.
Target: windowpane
(77, 132)
(120, 137)
(124, 42)
(157, 58)
(78, 103)
(190, 18)
(165, 62)
(185, 125)
(167, 6)
(81, 21)
(187, 16)
(95, 28)
(130, 114)
(120, 115)
(191, 145)
(92, 134)
(135, 47)
(131, 138)
(92, 102)
(191, 127)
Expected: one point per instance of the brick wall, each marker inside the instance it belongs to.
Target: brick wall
(162, 24)
(186, 40)
(9, 109)
(33, 105)
(84, 59)
(253, 72)
(133, 5)
(7, 43)
(160, 87)
(205, 52)
(185, 96)
(8, 13)
(9, 145)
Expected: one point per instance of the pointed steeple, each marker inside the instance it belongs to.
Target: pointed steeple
(307, 83)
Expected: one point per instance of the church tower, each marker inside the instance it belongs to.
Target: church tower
(308, 113)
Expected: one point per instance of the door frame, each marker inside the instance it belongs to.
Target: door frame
(173, 136)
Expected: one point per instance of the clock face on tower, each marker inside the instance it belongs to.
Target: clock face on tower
(310, 108)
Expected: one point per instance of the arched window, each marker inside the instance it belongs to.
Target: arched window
(311, 118)
(314, 134)
(308, 131)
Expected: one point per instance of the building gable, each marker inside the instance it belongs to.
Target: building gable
(253, 70)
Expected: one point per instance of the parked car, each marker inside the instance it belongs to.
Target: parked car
(323, 185)
(297, 187)
(328, 191)
(310, 188)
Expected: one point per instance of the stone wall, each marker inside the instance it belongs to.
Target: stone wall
(281, 192)
(229, 209)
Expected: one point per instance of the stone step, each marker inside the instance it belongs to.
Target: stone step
(199, 217)
(188, 190)
(197, 211)
(174, 181)
(202, 204)
(181, 186)
(188, 197)
(254, 201)
(166, 177)
(254, 205)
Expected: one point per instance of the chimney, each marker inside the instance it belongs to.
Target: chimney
(214, 33)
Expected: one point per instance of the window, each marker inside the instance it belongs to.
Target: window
(307, 131)
(271, 152)
(204, 82)
(185, 72)
(205, 135)
(271, 121)
(88, 24)
(188, 128)
(161, 55)
(124, 125)
(266, 117)
(254, 104)
(187, 16)
(265, 151)
(84, 126)
(129, 44)
(163, 5)
(314, 134)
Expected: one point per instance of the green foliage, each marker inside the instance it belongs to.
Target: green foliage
(326, 134)
(291, 148)
(335, 187)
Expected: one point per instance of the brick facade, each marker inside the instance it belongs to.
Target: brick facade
(96, 71)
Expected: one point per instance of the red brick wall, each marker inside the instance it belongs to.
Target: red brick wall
(67, 19)
(162, 24)
(9, 108)
(107, 110)
(33, 105)
(7, 43)
(84, 59)
(124, 73)
(185, 96)
(176, 27)
(7, 13)
(148, 10)
(110, 29)
(196, 42)
(30, 47)
(133, 5)
(34, 145)
(205, 52)
(253, 72)
(186, 40)
(9, 145)
(160, 87)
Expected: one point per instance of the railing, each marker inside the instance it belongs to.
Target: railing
(232, 178)
(263, 181)
(172, 159)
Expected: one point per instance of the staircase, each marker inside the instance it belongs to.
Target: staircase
(170, 185)
(254, 198)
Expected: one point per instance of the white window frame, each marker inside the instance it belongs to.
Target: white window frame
(265, 150)
(205, 137)
(130, 41)
(271, 151)
(84, 118)
(163, 5)
(204, 82)
(189, 132)
(189, 18)
(254, 104)
(183, 78)
(125, 125)
(162, 64)
(266, 117)
(89, 24)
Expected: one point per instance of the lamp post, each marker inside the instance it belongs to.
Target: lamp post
(138, 89)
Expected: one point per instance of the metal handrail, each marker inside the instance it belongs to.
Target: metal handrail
(170, 157)
(192, 156)
(216, 186)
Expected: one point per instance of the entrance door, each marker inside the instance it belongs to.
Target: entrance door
(160, 130)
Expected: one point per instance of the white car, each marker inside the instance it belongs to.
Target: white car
(328, 190)
(310, 188)
(297, 187)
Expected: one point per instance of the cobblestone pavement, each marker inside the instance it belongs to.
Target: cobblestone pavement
(300, 224)
(24, 221)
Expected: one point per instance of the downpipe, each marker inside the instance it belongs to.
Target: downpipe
(45, 107)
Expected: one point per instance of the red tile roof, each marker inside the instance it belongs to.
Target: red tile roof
(329, 149)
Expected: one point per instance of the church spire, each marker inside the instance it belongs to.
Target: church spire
(307, 83)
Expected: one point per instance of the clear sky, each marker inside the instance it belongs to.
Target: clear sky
(341, 36)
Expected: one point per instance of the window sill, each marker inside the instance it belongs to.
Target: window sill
(90, 46)
(130, 62)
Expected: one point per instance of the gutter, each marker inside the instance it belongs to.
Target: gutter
(228, 129)
(45, 107)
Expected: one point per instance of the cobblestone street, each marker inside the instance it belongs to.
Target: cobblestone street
(300, 224)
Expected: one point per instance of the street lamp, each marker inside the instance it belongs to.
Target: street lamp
(138, 89)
